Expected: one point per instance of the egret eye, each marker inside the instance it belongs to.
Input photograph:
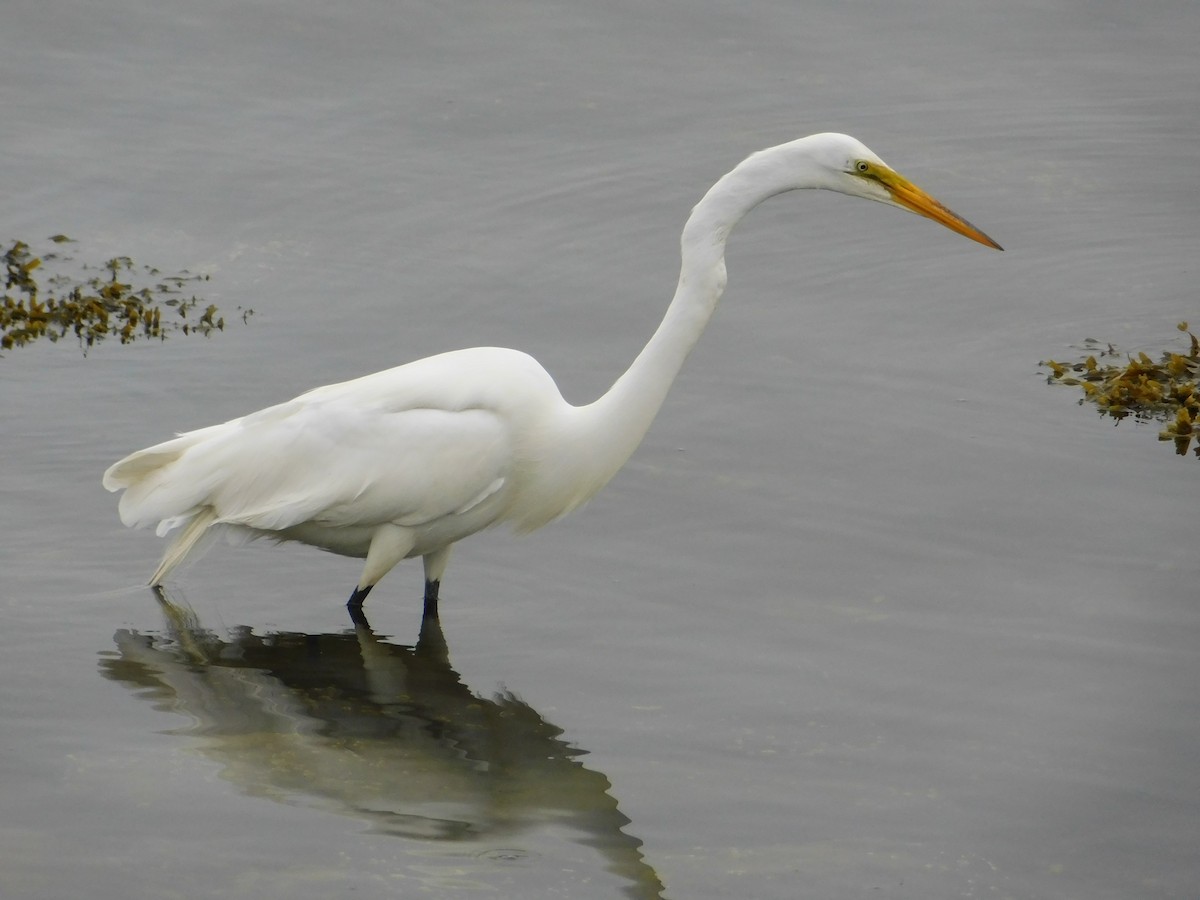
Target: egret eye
(862, 167)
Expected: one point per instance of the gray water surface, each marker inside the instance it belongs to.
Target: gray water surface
(872, 612)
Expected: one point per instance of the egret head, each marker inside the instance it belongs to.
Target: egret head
(853, 168)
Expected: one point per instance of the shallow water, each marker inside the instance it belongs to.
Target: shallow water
(872, 610)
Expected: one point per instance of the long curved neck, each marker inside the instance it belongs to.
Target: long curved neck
(614, 425)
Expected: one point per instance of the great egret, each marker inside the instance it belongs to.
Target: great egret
(408, 461)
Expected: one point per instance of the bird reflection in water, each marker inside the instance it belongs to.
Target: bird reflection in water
(382, 732)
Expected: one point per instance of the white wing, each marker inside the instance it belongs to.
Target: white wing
(329, 463)
(409, 446)
(343, 466)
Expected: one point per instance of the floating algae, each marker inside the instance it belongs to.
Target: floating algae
(1164, 391)
(98, 307)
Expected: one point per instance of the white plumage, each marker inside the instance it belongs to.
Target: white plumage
(408, 461)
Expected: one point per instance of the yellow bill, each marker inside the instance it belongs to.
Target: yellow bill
(911, 197)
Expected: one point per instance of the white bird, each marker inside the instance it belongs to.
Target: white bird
(411, 460)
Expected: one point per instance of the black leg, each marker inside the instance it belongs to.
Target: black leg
(354, 604)
(431, 599)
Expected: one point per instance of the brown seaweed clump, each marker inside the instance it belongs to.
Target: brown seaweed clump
(38, 304)
(1163, 390)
